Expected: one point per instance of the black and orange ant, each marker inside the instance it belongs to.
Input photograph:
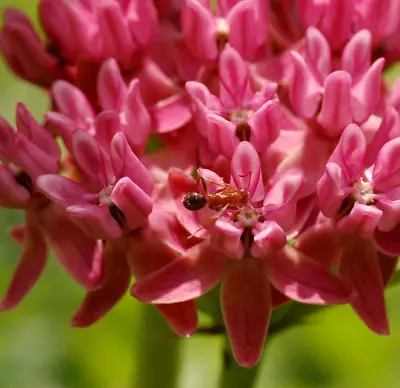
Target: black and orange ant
(227, 197)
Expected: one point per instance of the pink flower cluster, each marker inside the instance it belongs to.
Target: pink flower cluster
(279, 170)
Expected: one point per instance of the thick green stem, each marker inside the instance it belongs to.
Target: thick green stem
(233, 375)
(157, 362)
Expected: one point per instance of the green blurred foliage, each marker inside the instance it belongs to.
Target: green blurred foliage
(133, 348)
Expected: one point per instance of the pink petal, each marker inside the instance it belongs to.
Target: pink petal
(138, 121)
(72, 103)
(202, 102)
(30, 266)
(265, 125)
(305, 92)
(126, 163)
(172, 113)
(387, 265)
(268, 237)
(226, 239)
(117, 278)
(134, 203)
(12, 194)
(302, 279)
(246, 171)
(388, 242)
(362, 221)
(242, 35)
(221, 135)
(335, 112)
(62, 190)
(234, 79)
(332, 190)
(91, 159)
(349, 153)
(318, 53)
(200, 29)
(75, 251)
(386, 173)
(186, 277)
(38, 135)
(388, 129)
(281, 200)
(111, 86)
(321, 243)
(246, 307)
(7, 139)
(356, 55)
(359, 267)
(32, 159)
(142, 21)
(61, 125)
(182, 317)
(107, 124)
(96, 221)
(114, 31)
(367, 92)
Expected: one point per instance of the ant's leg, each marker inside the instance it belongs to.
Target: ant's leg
(212, 221)
(249, 173)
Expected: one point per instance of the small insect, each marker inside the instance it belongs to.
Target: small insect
(227, 197)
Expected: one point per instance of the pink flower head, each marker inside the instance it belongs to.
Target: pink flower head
(75, 111)
(244, 250)
(361, 198)
(241, 23)
(27, 155)
(24, 51)
(238, 114)
(115, 196)
(335, 99)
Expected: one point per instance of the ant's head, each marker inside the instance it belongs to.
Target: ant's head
(194, 201)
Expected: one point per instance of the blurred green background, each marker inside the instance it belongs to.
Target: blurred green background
(132, 348)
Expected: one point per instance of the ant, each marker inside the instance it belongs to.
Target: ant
(227, 197)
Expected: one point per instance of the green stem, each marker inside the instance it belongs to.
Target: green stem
(233, 375)
(157, 361)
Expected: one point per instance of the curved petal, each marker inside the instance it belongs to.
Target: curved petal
(186, 277)
(246, 171)
(62, 190)
(72, 103)
(318, 52)
(302, 279)
(30, 266)
(246, 307)
(117, 278)
(356, 55)
(111, 87)
(349, 153)
(182, 317)
(322, 243)
(133, 202)
(388, 242)
(75, 251)
(336, 104)
(305, 92)
(234, 79)
(281, 200)
(91, 159)
(127, 164)
(359, 267)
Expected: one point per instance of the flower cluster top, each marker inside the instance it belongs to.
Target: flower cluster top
(188, 143)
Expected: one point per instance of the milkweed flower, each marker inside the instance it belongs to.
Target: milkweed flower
(252, 257)
(252, 144)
